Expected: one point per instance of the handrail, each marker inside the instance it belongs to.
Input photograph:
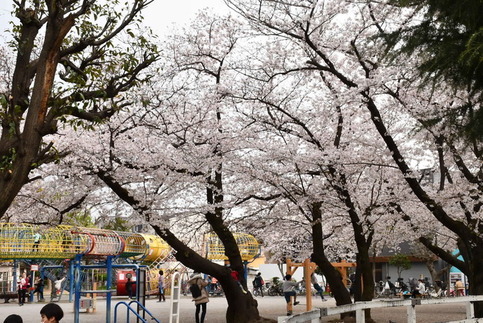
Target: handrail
(130, 309)
(144, 309)
(359, 308)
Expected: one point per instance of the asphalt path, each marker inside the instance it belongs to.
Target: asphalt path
(269, 307)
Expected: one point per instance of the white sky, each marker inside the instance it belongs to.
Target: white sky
(160, 15)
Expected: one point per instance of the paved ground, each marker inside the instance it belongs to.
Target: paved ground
(269, 307)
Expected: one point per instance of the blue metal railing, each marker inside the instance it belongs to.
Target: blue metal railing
(129, 309)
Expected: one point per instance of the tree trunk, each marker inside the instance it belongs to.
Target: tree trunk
(242, 308)
(367, 283)
(24, 149)
(475, 276)
(332, 275)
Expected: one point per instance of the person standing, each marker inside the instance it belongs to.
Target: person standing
(459, 287)
(39, 289)
(129, 285)
(421, 288)
(317, 287)
(36, 237)
(288, 288)
(22, 289)
(258, 283)
(161, 286)
(200, 296)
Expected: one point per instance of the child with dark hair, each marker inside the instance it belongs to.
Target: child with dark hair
(51, 313)
(288, 288)
(13, 318)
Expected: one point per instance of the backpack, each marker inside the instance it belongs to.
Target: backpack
(257, 282)
(195, 290)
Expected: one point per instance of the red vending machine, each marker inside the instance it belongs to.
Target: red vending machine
(126, 279)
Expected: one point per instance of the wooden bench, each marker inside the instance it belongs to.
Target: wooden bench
(7, 296)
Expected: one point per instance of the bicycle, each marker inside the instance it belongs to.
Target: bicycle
(259, 291)
(274, 289)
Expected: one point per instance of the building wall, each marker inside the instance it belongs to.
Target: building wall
(417, 270)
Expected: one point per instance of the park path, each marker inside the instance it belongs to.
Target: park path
(269, 307)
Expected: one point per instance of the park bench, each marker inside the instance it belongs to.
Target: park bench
(7, 296)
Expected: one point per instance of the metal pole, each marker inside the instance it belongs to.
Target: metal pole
(77, 279)
(15, 279)
(108, 287)
(71, 277)
(32, 283)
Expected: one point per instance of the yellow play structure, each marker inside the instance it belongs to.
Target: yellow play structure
(26, 241)
(248, 245)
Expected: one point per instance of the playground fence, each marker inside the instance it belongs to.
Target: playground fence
(359, 307)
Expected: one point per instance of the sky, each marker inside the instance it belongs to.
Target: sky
(160, 15)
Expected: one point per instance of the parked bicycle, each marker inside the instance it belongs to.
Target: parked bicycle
(257, 291)
(274, 289)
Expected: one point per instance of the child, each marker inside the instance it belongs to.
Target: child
(234, 274)
(13, 318)
(288, 288)
(51, 313)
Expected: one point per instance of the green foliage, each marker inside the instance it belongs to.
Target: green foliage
(449, 39)
(80, 219)
(118, 224)
(76, 66)
(6, 161)
(402, 262)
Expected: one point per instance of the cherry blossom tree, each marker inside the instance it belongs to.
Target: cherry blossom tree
(323, 162)
(346, 56)
(297, 123)
(169, 159)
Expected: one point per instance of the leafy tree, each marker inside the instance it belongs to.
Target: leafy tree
(75, 75)
(448, 37)
(80, 218)
(401, 261)
(117, 224)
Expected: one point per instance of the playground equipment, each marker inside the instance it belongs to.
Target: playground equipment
(32, 243)
(73, 245)
(176, 286)
(309, 267)
(17, 241)
(248, 245)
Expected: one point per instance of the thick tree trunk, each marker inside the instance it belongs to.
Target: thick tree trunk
(475, 277)
(242, 308)
(367, 281)
(21, 151)
(340, 292)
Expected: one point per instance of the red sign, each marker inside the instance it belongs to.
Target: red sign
(34, 267)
